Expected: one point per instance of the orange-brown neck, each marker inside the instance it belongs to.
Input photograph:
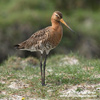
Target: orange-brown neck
(57, 32)
(55, 24)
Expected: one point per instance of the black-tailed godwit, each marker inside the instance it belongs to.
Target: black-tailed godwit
(45, 40)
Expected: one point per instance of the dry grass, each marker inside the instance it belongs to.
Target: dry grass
(67, 77)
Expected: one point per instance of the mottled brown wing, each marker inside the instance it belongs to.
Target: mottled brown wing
(41, 35)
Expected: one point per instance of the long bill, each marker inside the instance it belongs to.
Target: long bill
(62, 21)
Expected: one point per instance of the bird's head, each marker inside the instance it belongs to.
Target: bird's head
(57, 16)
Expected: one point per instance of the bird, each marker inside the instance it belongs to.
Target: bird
(45, 40)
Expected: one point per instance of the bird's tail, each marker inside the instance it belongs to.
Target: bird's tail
(21, 46)
(17, 46)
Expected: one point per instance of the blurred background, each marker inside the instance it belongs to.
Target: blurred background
(19, 19)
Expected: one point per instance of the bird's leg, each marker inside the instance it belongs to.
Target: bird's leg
(41, 66)
(43, 81)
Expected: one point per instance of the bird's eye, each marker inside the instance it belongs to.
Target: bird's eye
(57, 15)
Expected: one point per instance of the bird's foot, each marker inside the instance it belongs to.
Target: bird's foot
(43, 84)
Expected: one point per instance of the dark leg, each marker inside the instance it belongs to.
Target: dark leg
(41, 66)
(43, 81)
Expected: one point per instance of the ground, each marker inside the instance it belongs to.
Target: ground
(68, 77)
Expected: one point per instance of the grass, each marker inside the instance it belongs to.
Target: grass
(19, 11)
(31, 12)
(18, 77)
